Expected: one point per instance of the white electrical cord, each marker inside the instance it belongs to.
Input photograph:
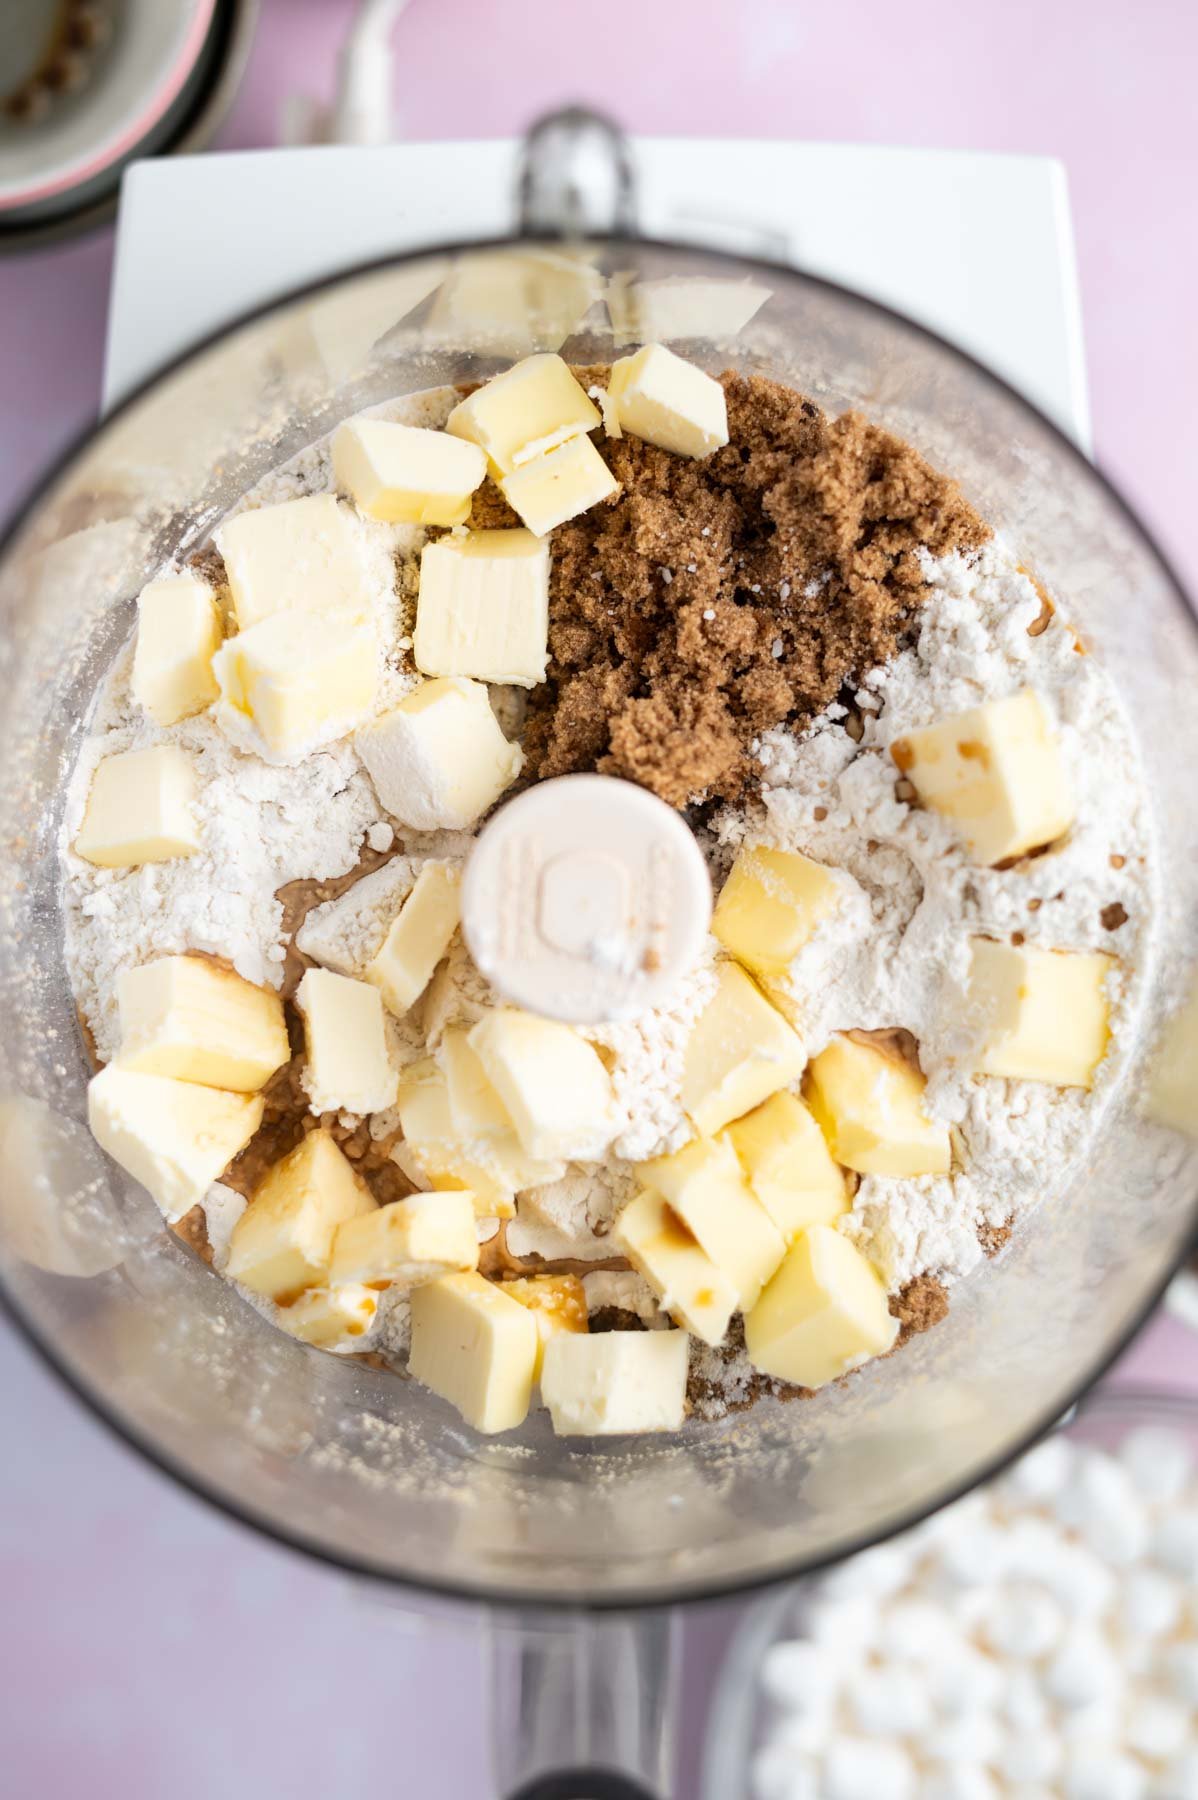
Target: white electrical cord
(361, 109)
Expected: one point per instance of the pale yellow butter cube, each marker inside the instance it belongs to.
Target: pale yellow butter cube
(483, 607)
(869, 1104)
(786, 1162)
(1042, 1014)
(557, 1303)
(283, 1241)
(186, 1017)
(553, 1083)
(404, 474)
(824, 1313)
(140, 809)
(667, 401)
(175, 1137)
(559, 486)
(741, 1051)
(490, 1164)
(616, 1382)
(409, 1241)
(178, 634)
(476, 1347)
(771, 905)
(438, 760)
(528, 409)
(299, 681)
(475, 1107)
(418, 938)
(997, 772)
(300, 556)
(1172, 1098)
(704, 1185)
(347, 1067)
(681, 1274)
(332, 1318)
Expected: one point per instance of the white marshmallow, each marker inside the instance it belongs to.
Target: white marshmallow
(1150, 1603)
(890, 1702)
(843, 1625)
(971, 1738)
(960, 1781)
(1022, 1622)
(1178, 1780)
(1081, 1582)
(1156, 1727)
(1034, 1547)
(919, 1631)
(1099, 1775)
(854, 1769)
(968, 1684)
(1175, 1543)
(875, 1573)
(979, 1553)
(1097, 1723)
(1083, 1670)
(1043, 1472)
(800, 1677)
(1159, 1461)
(1100, 1502)
(1180, 1671)
(1023, 1705)
(1031, 1756)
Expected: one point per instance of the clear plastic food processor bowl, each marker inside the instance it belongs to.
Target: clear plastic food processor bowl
(352, 1465)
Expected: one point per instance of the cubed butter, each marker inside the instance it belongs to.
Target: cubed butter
(741, 1051)
(283, 1241)
(347, 1068)
(553, 1083)
(438, 761)
(824, 1313)
(528, 409)
(491, 1164)
(299, 681)
(140, 809)
(404, 474)
(335, 1318)
(997, 772)
(616, 1381)
(771, 905)
(681, 1274)
(483, 607)
(475, 1107)
(418, 938)
(175, 1137)
(559, 486)
(186, 1017)
(409, 1241)
(1042, 1015)
(669, 402)
(869, 1104)
(178, 634)
(788, 1165)
(703, 1184)
(557, 1303)
(476, 1347)
(300, 556)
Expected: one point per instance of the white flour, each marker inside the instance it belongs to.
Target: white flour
(898, 953)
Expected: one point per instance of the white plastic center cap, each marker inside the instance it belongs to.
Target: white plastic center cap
(585, 899)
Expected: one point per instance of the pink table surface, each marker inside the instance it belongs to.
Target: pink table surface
(147, 1646)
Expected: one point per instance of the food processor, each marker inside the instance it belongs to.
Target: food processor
(579, 1547)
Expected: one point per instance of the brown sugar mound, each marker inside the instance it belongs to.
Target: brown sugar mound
(710, 600)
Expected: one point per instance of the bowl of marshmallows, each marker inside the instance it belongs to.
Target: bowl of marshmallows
(1038, 1639)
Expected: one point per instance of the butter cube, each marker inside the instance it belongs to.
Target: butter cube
(669, 402)
(557, 1303)
(476, 1347)
(347, 1069)
(186, 1017)
(438, 761)
(475, 1107)
(704, 1186)
(336, 1318)
(528, 409)
(869, 1105)
(300, 556)
(771, 905)
(741, 1050)
(681, 1274)
(299, 681)
(1043, 1014)
(483, 607)
(139, 809)
(404, 474)
(558, 486)
(997, 772)
(283, 1241)
(786, 1161)
(418, 938)
(490, 1164)
(616, 1381)
(175, 1137)
(413, 1240)
(824, 1313)
(178, 634)
(553, 1083)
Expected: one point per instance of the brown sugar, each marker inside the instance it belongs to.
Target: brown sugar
(920, 1305)
(710, 600)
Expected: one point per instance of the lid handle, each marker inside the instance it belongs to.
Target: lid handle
(576, 178)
